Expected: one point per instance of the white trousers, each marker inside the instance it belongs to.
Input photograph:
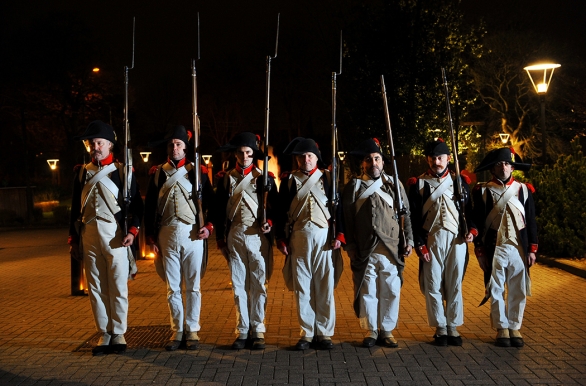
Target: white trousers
(313, 281)
(247, 247)
(182, 255)
(443, 279)
(106, 268)
(508, 270)
(380, 292)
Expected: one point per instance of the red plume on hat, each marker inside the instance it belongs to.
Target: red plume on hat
(376, 141)
(440, 140)
(189, 135)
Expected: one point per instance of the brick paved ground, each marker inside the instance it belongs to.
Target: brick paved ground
(41, 327)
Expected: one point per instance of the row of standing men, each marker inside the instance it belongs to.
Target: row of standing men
(501, 224)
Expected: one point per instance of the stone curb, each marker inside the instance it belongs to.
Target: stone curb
(559, 263)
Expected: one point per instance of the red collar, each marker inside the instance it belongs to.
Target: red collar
(431, 173)
(245, 171)
(310, 172)
(499, 182)
(106, 161)
(180, 163)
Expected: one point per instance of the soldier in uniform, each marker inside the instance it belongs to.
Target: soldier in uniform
(505, 214)
(173, 231)
(372, 242)
(311, 269)
(441, 248)
(96, 234)
(244, 238)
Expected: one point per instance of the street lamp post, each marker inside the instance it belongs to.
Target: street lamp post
(540, 75)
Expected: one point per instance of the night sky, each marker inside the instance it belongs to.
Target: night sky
(236, 36)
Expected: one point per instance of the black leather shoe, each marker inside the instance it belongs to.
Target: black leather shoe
(191, 344)
(118, 348)
(258, 343)
(302, 345)
(368, 342)
(517, 342)
(173, 345)
(454, 340)
(389, 342)
(100, 350)
(503, 342)
(239, 344)
(440, 340)
(325, 344)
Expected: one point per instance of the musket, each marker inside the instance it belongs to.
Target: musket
(126, 193)
(401, 210)
(265, 167)
(334, 199)
(460, 195)
(197, 186)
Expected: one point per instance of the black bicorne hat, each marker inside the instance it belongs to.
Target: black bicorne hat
(498, 155)
(177, 132)
(300, 145)
(367, 147)
(246, 138)
(98, 129)
(437, 147)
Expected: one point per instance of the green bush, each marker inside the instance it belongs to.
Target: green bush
(561, 204)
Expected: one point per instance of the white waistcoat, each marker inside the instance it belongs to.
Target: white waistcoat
(101, 203)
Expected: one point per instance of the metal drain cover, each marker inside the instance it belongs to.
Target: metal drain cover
(136, 337)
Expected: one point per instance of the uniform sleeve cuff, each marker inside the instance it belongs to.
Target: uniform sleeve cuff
(281, 243)
(423, 249)
(474, 231)
(533, 248)
(133, 230)
(340, 237)
(270, 222)
(72, 240)
(210, 227)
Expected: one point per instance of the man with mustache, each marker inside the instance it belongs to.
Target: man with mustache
(172, 230)
(243, 240)
(96, 236)
(311, 270)
(505, 214)
(372, 243)
(442, 251)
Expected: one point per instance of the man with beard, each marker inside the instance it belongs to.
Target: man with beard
(243, 240)
(505, 214)
(172, 230)
(442, 251)
(303, 236)
(96, 234)
(372, 242)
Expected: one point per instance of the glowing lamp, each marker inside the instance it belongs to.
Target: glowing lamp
(540, 75)
(145, 155)
(52, 163)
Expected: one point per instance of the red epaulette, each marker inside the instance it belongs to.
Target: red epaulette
(285, 175)
(153, 170)
(220, 174)
(77, 167)
(271, 174)
(531, 187)
(204, 169)
(411, 181)
(466, 178)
